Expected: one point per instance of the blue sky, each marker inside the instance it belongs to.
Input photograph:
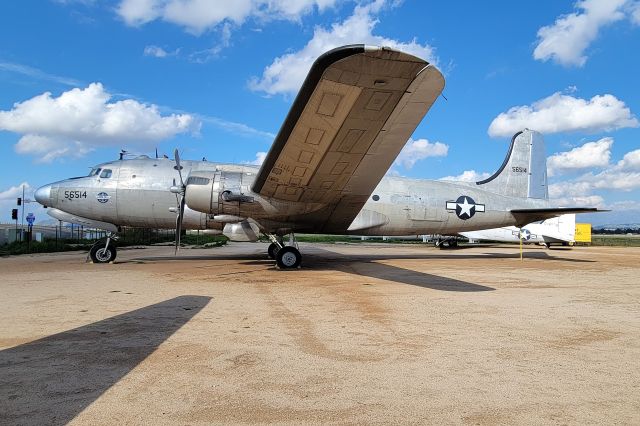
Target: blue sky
(80, 80)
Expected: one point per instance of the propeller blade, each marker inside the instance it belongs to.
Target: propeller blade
(176, 155)
(179, 224)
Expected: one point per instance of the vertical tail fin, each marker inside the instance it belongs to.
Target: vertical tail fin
(524, 170)
(567, 226)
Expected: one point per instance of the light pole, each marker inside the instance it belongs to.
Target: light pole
(22, 221)
(24, 201)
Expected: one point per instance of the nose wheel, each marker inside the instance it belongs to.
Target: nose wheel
(103, 251)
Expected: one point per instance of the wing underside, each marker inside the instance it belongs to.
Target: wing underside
(356, 110)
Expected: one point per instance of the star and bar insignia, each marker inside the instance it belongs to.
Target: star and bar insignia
(465, 207)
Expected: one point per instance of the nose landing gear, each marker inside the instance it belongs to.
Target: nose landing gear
(104, 251)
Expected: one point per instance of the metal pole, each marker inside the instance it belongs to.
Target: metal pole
(520, 235)
(22, 222)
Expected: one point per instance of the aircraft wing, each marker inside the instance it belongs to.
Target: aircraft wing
(526, 216)
(354, 113)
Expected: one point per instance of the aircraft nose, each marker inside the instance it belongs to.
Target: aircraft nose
(43, 195)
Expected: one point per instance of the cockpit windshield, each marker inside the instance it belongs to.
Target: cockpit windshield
(94, 171)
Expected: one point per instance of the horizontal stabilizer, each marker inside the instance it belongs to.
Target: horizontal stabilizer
(526, 216)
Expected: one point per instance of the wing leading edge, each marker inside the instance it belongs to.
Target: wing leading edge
(354, 113)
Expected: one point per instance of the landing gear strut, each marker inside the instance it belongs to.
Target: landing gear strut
(273, 250)
(287, 257)
(104, 251)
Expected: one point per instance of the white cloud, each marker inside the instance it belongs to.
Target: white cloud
(237, 128)
(635, 13)
(199, 16)
(416, 150)
(81, 119)
(260, 156)
(614, 179)
(567, 39)
(467, 176)
(630, 161)
(590, 154)
(624, 176)
(13, 192)
(287, 72)
(586, 201)
(564, 113)
(155, 51)
(37, 74)
(8, 201)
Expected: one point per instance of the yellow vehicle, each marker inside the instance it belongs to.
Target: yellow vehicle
(583, 233)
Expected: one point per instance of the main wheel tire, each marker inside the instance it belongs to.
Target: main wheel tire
(288, 257)
(100, 255)
(273, 250)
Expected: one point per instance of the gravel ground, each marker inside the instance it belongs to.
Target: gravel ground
(363, 333)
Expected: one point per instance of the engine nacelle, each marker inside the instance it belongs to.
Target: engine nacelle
(241, 231)
(201, 193)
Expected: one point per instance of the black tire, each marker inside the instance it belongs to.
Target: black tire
(98, 254)
(288, 258)
(273, 250)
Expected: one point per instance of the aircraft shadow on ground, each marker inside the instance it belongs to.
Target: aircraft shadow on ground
(260, 257)
(368, 266)
(51, 380)
(316, 258)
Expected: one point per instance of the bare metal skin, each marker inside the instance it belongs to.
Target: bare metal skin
(138, 192)
(325, 172)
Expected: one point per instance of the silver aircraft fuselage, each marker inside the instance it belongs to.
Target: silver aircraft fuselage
(136, 193)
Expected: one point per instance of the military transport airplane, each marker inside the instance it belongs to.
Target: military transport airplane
(558, 230)
(324, 173)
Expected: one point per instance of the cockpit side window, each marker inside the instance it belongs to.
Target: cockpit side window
(94, 171)
(106, 173)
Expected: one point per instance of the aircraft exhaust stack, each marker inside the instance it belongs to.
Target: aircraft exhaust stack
(524, 170)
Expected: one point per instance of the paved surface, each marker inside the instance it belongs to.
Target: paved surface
(362, 334)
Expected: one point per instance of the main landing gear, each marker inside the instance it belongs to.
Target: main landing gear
(104, 251)
(286, 257)
(447, 242)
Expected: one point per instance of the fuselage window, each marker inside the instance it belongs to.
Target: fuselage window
(376, 197)
(106, 173)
